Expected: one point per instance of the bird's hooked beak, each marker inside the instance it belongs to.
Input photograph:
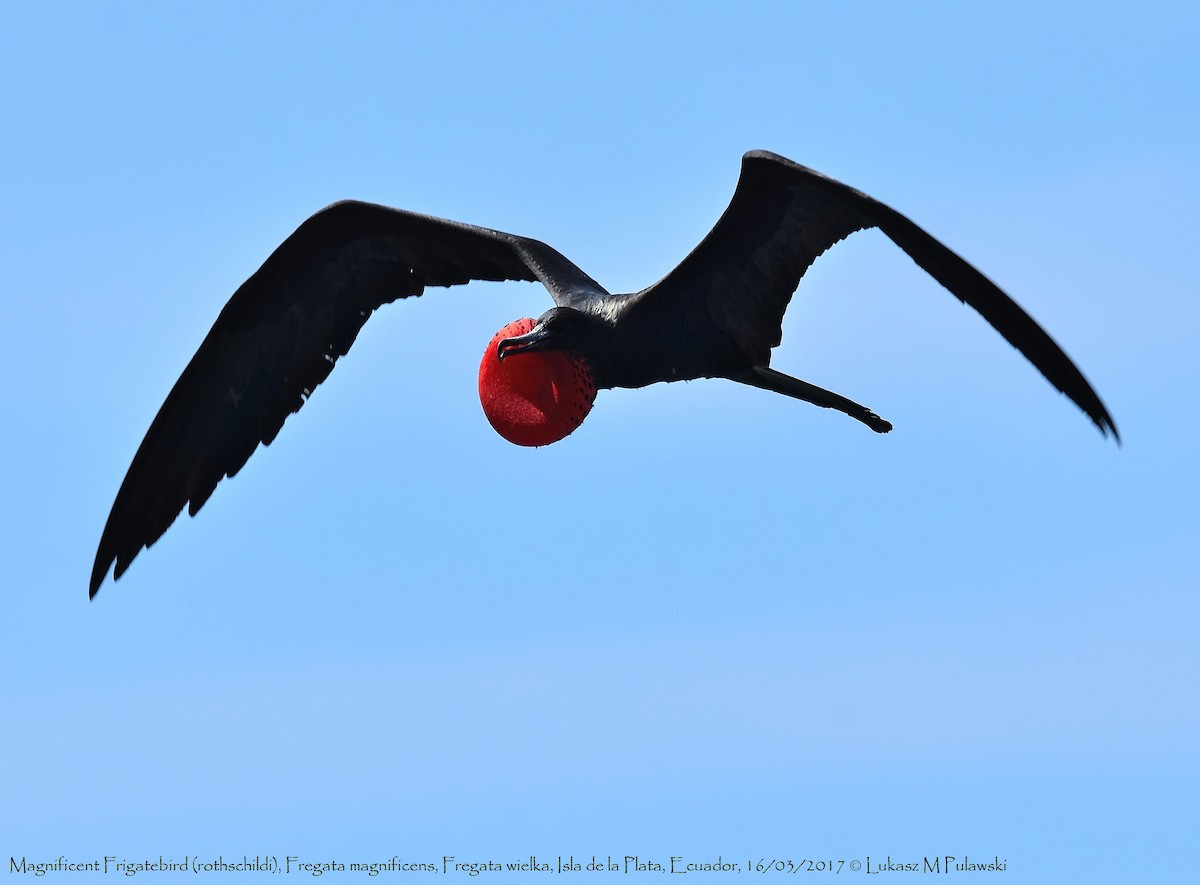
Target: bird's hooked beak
(538, 338)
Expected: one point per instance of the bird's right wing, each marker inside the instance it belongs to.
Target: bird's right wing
(280, 335)
(781, 218)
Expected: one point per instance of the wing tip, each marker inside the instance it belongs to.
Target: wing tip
(117, 562)
(1107, 426)
(99, 573)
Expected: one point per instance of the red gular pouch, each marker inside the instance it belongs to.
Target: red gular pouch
(537, 397)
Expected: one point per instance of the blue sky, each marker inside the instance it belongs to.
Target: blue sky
(712, 621)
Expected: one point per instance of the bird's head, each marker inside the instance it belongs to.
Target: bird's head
(535, 384)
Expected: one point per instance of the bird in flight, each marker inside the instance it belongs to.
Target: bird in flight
(716, 315)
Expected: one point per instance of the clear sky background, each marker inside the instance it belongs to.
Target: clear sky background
(713, 620)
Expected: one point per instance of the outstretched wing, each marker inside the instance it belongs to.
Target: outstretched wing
(281, 334)
(782, 217)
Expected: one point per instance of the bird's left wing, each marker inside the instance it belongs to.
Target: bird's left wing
(281, 334)
(740, 278)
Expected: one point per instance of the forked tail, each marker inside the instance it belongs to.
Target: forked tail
(769, 379)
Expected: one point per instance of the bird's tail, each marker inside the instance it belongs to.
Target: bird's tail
(769, 379)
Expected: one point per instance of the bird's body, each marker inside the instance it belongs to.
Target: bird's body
(717, 314)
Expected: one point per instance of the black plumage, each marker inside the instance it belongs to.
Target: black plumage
(717, 314)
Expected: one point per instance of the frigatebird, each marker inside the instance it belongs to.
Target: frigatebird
(717, 314)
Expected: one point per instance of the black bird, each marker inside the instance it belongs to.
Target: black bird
(717, 314)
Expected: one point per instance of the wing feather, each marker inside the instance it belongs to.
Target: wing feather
(782, 217)
(280, 336)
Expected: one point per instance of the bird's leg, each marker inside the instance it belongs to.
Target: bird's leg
(769, 379)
